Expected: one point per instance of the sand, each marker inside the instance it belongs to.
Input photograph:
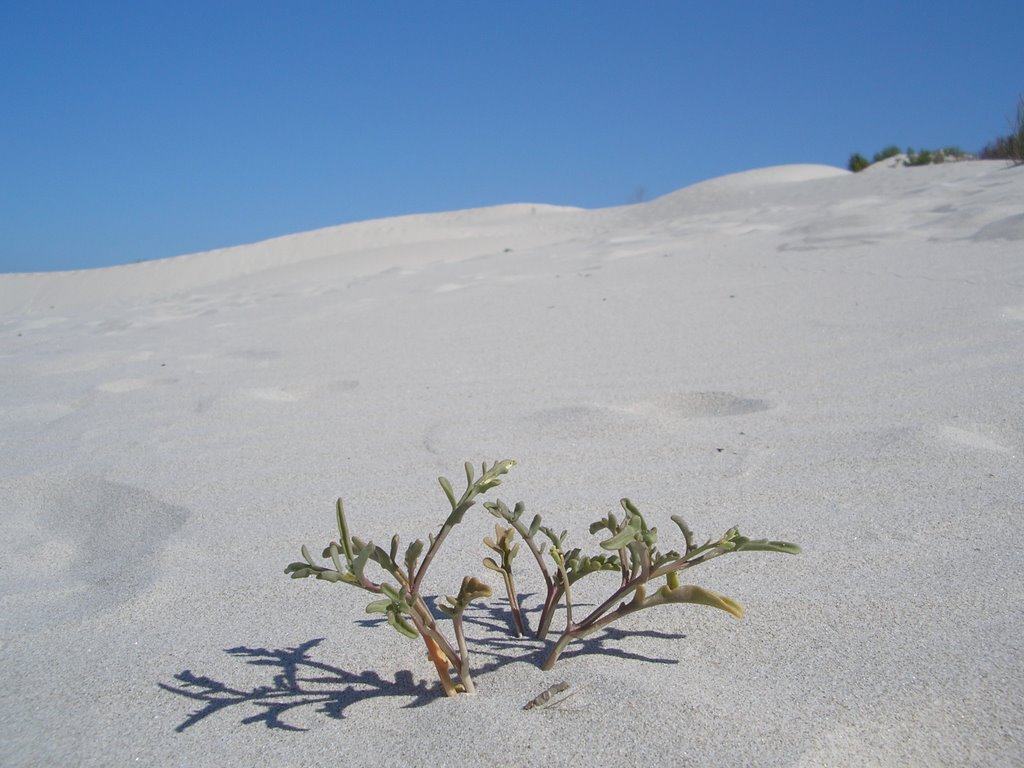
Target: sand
(826, 358)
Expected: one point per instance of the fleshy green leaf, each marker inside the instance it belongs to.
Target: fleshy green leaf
(412, 554)
(339, 511)
(361, 557)
(333, 552)
(305, 555)
(623, 537)
(763, 545)
(403, 627)
(446, 486)
(392, 593)
(693, 594)
(630, 507)
(685, 529)
(472, 588)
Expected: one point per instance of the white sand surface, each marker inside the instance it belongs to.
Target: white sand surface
(826, 358)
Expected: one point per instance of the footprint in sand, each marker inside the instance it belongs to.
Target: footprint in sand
(295, 394)
(120, 386)
(449, 287)
(700, 405)
(1007, 228)
(969, 438)
(255, 355)
(276, 394)
(40, 413)
(668, 414)
(682, 405)
(42, 323)
(79, 545)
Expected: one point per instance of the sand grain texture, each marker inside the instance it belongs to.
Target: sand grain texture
(831, 359)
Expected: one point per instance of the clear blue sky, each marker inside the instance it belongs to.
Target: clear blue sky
(139, 130)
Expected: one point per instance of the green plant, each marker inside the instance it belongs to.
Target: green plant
(890, 151)
(1001, 148)
(630, 549)
(402, 603)
(1011, 146)
(1017, 134)
(857, 162)
(924, 157)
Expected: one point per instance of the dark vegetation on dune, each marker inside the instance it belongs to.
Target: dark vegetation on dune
(1009, 147)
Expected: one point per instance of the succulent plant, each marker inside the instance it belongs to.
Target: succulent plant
(402, 602)
(630, 549)
(502, 543)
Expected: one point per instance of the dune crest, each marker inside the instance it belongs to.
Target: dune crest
(821, 357)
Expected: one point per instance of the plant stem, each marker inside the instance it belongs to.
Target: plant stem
(563, 641)
(548, 613)
(513, 602)
(618, 596)
(688, 562)
(565, 590)
(424, 621)
(414, 588)
(553, 594)
(534, 550)
(593, 623)
(436, 655)
(464, 671)
(440, 651)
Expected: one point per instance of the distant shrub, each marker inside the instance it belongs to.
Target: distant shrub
(885, 154)
(924, 157)
(857, 162)
(1011, 146)
(1017, 134)
(1000, 148)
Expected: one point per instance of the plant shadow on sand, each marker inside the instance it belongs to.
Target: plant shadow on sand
(503, 648)
(298, 680)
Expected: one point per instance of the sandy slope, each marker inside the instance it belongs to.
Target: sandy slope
(827, 358)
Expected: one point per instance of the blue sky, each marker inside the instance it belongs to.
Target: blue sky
(141, 130)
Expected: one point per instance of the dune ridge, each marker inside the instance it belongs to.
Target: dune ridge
(821, 357)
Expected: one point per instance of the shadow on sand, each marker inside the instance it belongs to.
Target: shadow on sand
(298, 680)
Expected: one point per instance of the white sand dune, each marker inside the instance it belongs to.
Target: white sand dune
(826, 358)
